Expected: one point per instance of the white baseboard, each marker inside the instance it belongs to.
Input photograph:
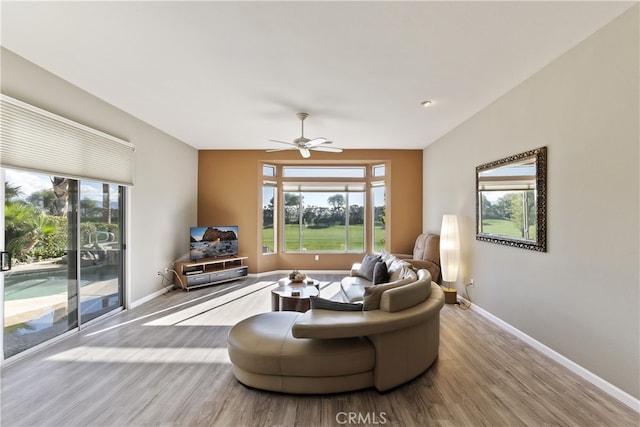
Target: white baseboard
(603, 385)
(310, 273)
(148, 297)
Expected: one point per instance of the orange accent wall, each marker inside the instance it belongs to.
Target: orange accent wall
(229, 193)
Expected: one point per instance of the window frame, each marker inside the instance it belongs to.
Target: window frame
(269, 175)
(340, 185)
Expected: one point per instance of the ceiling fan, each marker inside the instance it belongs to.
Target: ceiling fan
(304, 145)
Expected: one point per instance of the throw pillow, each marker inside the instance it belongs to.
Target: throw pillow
(327, 304)
(397, 269)
(380, 273)
(384, 255)
(372, 294)
(368, 264)
(388, 259)
(408, 273)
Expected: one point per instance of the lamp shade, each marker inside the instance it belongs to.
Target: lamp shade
(449, 248)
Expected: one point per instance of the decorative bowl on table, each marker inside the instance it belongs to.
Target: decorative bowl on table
(296, 276)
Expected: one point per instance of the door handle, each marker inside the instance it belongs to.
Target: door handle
(5, 261)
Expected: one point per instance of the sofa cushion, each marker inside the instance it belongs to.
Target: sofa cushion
(372, 294)
(403, 297)
(326, 304)
(352, 288)
(380, 273)
(264, 344)
(367, 265)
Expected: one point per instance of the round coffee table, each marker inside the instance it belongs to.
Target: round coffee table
(293, 296)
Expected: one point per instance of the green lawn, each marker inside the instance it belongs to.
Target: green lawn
(506, 228)
(378, 239)
(322, 239)
(267, 238)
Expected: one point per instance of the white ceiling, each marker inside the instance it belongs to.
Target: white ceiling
(232, 75)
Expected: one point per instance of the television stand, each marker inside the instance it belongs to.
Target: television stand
(210, 271)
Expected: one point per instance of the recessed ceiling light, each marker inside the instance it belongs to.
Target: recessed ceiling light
(425, 103)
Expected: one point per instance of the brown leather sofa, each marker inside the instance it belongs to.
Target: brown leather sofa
(327, 351)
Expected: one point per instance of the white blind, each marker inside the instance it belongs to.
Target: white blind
(324, 186)
(37, 140)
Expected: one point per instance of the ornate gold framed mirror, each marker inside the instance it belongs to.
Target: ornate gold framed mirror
(511, 201)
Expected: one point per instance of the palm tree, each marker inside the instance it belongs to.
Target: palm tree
(61, 190)
(11, 191)
(106, 202)
(25, 227)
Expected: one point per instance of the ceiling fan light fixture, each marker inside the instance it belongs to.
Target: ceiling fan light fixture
(305, 145)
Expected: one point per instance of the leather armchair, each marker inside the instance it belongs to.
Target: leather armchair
(426, 254)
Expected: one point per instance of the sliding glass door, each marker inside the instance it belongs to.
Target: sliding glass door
(65, 241)
(100, 248)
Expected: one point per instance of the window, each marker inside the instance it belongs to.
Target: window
(379, 203)
(268, 217)
(66, 241)
(269, 194)
(268, 170)
(64, 223)
(323, 209)
(379, 170)
(323, 172)
(324, 220)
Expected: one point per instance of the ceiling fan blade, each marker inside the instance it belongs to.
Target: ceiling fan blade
(284, 142)
(327, 149)
(273, 150)
(305, 153)
(317, 141)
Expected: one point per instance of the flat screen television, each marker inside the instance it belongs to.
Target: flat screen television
(213, 242)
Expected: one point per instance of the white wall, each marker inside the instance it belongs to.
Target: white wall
(581, 298)
(163, 200)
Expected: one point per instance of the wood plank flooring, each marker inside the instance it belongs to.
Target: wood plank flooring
(165, 364)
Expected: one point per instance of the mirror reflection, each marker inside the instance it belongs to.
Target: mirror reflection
(510, 200)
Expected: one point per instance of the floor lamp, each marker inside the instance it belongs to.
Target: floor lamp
(449, 256)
